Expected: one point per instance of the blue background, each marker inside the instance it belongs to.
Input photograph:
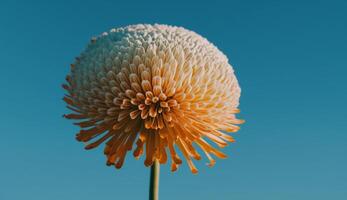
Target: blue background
(290, 58)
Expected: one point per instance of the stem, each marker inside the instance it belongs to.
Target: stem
(154, 181)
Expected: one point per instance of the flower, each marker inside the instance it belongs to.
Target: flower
(163, 87)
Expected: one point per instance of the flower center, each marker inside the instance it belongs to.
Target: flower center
(155, 110)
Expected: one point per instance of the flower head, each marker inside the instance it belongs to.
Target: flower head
(162, 87)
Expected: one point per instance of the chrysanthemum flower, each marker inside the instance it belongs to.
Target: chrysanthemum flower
(161, 87)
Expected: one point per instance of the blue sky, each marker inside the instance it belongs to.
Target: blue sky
(291, 61)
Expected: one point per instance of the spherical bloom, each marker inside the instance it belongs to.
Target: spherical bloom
(162, 87)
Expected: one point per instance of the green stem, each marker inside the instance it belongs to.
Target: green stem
(154, 181)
